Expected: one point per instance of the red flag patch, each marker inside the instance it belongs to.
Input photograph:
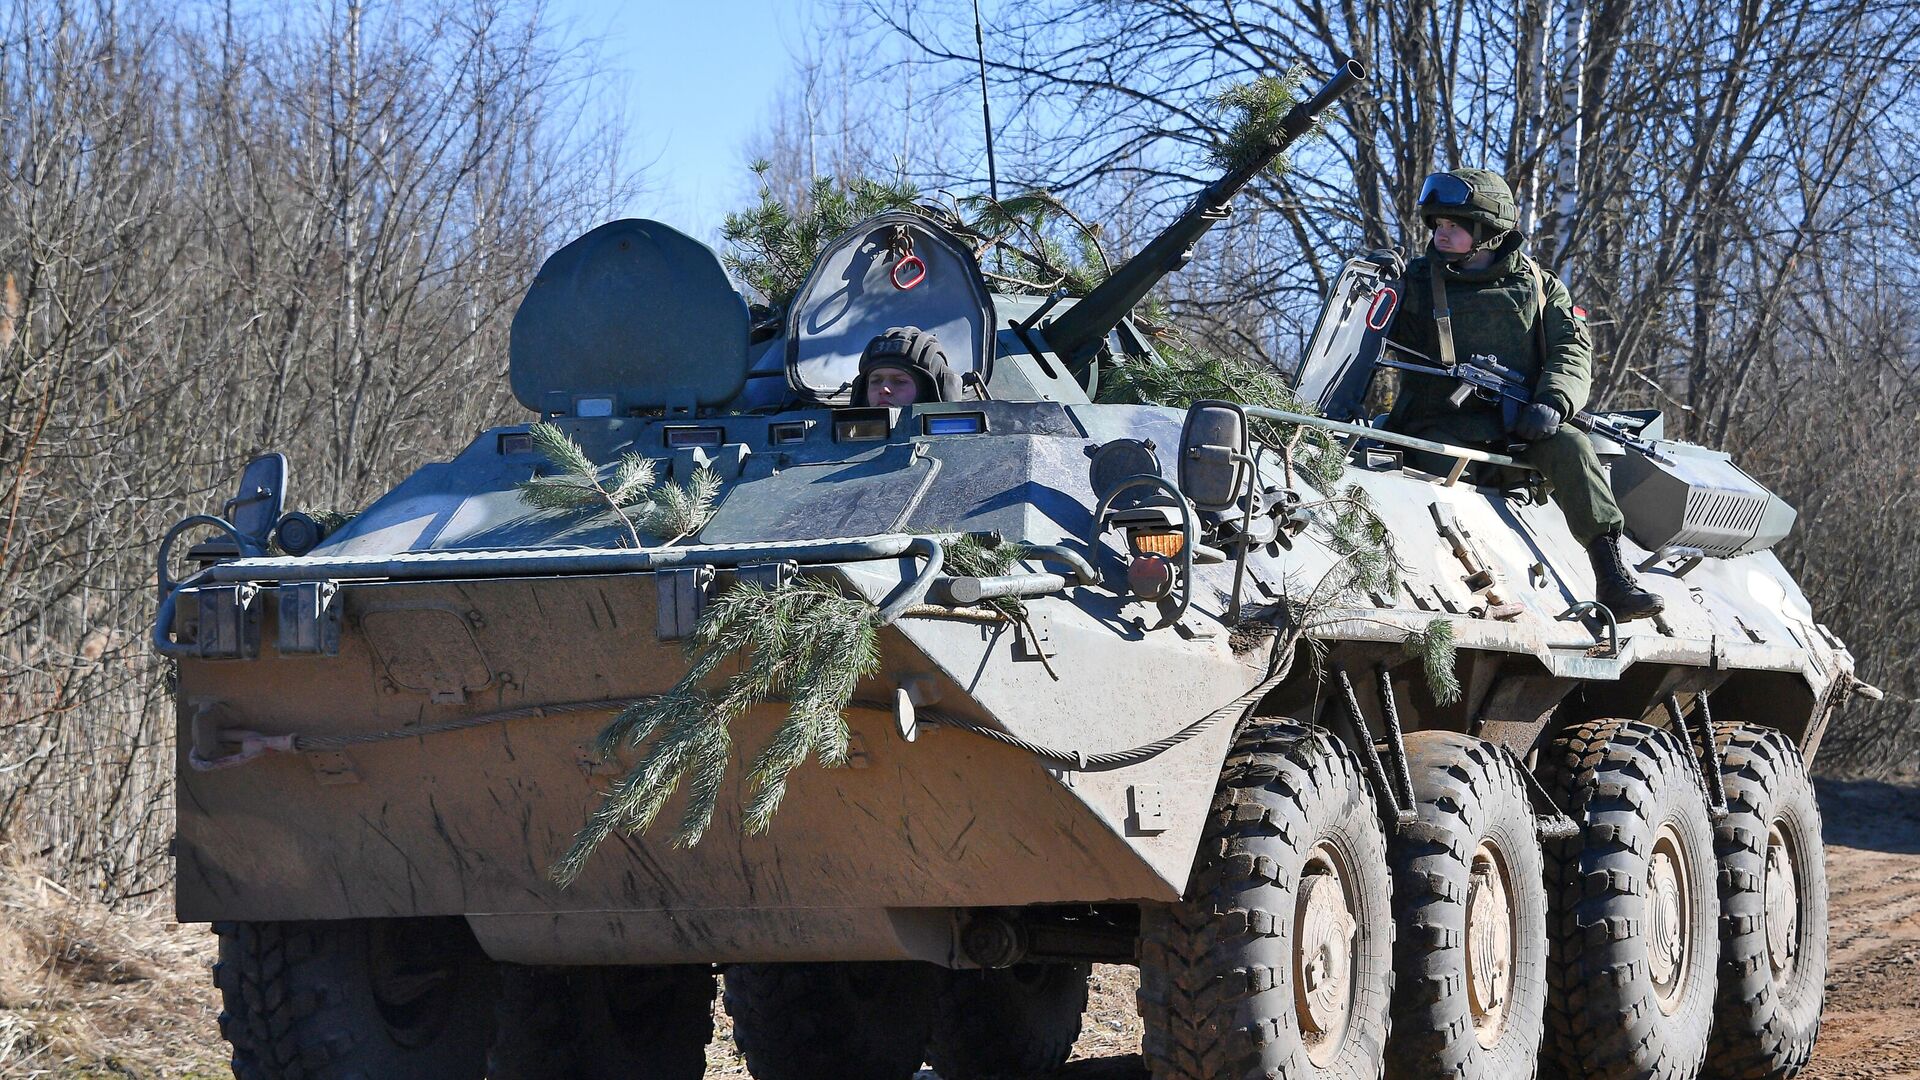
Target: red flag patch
(1579, 312)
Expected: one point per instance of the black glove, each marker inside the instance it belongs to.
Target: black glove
(1537, 421)
(1388, 260)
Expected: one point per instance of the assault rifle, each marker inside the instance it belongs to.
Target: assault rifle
(1486, 378)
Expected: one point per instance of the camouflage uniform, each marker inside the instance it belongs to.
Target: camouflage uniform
(1493, 314)
(1528, 324)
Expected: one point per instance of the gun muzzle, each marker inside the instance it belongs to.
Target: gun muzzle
(1078, 333)
(1349, 74)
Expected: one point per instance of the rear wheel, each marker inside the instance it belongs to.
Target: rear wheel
(1773, 909)
(854, 1021)
(1279, 961)
(1471, 907)
(603, 1023)
(354, 998)
(1632, 932)
(1007, 1023)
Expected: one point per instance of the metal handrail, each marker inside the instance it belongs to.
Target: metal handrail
(1392, 438)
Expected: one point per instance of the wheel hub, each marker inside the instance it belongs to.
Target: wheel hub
(412, 984)
(1669, 927)
(1782, 893)
(1490, 940)
(1324, 928)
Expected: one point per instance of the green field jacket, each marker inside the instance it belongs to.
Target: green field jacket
(1493, 313)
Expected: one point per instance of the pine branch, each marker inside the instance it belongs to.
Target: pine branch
(1434, 647)
(576, 483)
(967, 556)
(1258, 107)
(561, 451)
(804, 643)
(631, 479)
(772, 249)
(679, 511)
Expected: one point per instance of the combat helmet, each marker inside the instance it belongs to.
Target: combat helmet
(1478, 196)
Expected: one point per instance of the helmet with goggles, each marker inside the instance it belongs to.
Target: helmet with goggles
(1479, 197)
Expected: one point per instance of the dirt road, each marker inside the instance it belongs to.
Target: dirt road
(1871, 1027)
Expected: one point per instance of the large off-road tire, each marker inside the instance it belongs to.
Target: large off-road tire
(1470, 904)
(1009, 1023)
(1279, 961)
(1773, 909)
(602, 1023)
(853, 1021)
(1632, 939)
(353, 999)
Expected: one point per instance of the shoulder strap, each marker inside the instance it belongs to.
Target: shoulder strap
(1539, 310)
(1442, 314)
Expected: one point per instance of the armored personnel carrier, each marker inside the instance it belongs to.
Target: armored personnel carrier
(1222, 736)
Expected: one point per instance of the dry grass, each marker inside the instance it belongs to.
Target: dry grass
(87, 992)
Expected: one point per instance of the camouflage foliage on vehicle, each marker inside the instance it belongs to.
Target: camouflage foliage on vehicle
(667, 511)
(804, 644)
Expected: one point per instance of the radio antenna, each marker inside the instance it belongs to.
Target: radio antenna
(986, 111)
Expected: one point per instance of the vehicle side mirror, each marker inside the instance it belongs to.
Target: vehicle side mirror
(256, 507)
(1213, 455)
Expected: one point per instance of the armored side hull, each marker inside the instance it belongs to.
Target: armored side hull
(465, 650)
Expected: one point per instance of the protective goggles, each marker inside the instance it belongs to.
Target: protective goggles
(1445, 189)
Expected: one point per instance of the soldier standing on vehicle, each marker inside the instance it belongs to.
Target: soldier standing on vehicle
(1476, 292)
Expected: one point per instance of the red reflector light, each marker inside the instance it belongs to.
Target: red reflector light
(1150, 577)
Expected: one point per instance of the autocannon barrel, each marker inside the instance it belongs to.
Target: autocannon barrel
(1076, 335)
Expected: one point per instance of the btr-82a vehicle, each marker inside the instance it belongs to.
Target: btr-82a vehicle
(1203, 747)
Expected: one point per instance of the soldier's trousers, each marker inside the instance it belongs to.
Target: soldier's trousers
(1571, 468)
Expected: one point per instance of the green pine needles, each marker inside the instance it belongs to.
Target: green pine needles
(1028, 251)
(773, 248)
(1434, 647)
(802, 643)
(1257, 108)
(1359, 538)
(968, 556)
(1186, 373)
(670, 512)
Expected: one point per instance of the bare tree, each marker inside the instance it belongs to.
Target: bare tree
(227, 230)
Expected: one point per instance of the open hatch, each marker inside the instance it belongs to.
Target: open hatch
(894, 269)
(1338, 365)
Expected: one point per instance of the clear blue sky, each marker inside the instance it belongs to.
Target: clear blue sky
(696, 78)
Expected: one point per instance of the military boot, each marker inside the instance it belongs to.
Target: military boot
(1615, 587)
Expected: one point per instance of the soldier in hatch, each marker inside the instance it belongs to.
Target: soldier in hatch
(1476, 292)
(902, 366)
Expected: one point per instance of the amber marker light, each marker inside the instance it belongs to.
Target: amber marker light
(1166, 544)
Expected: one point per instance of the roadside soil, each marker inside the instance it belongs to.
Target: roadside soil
(86, 993)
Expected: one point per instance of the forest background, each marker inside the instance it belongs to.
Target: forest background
(234, 228)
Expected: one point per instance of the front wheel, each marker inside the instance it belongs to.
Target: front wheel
(1279, 961)
(354, 998)
(603, 1023)
(1007, 1023)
